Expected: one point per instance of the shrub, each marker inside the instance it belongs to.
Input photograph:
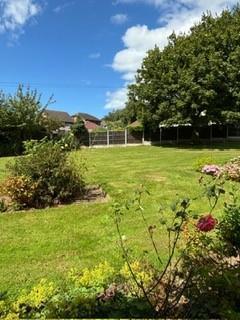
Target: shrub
(79, 132)
(229, 228)
(232, 169)
(81, 296)
(212, 170)
(46, 175)
(213, 289)
(3, 206)
(97, 277)
(200, 277)
(143, 273)
(212, 255)
(30, 305)
(22, 190)
(68, 142)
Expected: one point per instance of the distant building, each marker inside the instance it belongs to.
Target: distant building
(61, 117)
(136, 124)
(91, 122)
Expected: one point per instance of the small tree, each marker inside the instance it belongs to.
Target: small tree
(21, 118)
(79, 130)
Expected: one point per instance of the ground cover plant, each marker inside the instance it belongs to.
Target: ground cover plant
(47, 243)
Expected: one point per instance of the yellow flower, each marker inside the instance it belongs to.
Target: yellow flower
(39, 295)
(95, 277)
(143, 275)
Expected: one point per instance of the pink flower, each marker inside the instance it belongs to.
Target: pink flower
(211, 169)
(206, 223)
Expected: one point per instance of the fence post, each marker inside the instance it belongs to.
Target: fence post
(108, 142)
(126, 136)
(160, 128)
(211, 133)
(177, 134)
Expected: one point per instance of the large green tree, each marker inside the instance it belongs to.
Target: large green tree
(194, 79)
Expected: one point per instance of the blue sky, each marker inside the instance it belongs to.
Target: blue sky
(86, 52)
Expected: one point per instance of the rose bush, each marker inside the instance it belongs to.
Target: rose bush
(206, 223)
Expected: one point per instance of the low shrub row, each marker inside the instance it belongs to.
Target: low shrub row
(101, 292)
(230, 170)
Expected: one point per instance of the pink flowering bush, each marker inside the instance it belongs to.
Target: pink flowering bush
(211, 169)
(232, 169)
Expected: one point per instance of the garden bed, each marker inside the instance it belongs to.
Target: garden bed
(93, 194)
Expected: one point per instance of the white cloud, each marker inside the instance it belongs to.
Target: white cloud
(15, 14)
(116, 99)
(119, 18)
(62, 7)
(95, 55)
(154, 2)
(179, 16)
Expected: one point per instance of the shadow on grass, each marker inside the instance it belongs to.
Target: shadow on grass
(199, 146)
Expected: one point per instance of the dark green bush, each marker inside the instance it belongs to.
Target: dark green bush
(54, 177)
(229, 227)
(3, 206)
(213, 290)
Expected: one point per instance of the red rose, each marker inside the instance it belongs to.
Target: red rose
(206, 223)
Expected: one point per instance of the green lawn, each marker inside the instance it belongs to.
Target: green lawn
(3, 170)
(47, 243)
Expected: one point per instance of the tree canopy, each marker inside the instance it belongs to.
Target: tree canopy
(195, 79)
(21, 119)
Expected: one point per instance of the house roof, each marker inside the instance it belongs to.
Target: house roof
(86, 116)
(135, 124)
(89, 125)
(60, 116)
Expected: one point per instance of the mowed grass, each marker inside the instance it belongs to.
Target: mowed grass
(48, 243)
(3, 169)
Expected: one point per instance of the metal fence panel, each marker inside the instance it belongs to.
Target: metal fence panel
(135, 137)
(97, 138)
(116, 137)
